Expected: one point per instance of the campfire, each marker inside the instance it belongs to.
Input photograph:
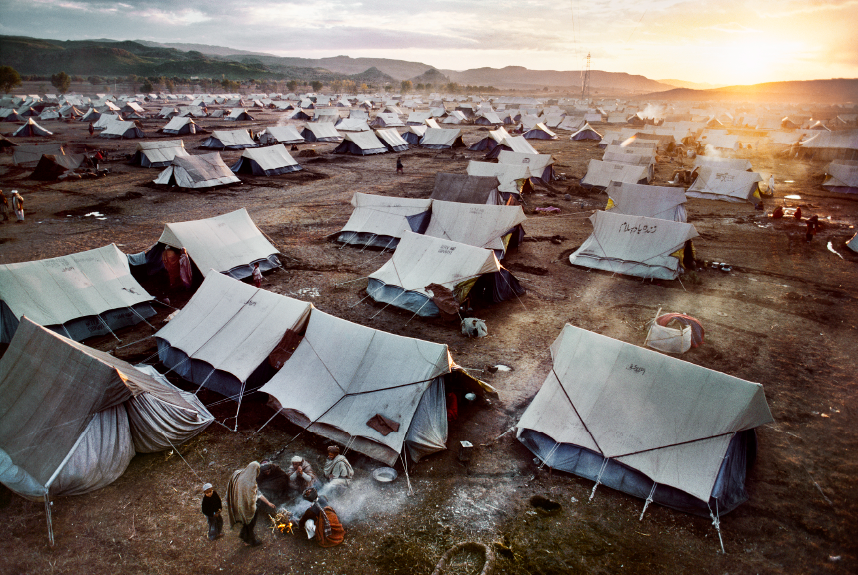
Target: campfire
(282, 522)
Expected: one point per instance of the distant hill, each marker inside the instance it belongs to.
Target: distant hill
(520, 77)
(692, 85)
(811, 91)
(431, 76)
(202, 48)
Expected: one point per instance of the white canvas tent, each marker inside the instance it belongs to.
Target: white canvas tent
(158, 154)
(360, 144)
(513, 179)
(421, 260)
(202, 171)
(324, 132)
(352, 125)
(267, 161)
(513, 144)
(600, 174)
(484, 226)
(223, 338)
(467, 189)
(539, 132)
(645, 423)
(722, 163)
(491, 141)
(229, 140)
(541, 166)
(373, 391)
(634, 245)
(662, 202)
(379, 221)
(72, 417)
(281, 135)
(726, 185)
(392, 140)
(179, 126)
(441, 139)
(229, 244)
(841, 176)
(80, 295)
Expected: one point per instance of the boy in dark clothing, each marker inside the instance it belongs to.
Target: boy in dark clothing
(211, 509)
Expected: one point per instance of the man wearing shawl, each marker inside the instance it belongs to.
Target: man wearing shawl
(338, 470)
(185, 270)
(321, 521)
(301, 475)
(242, 495)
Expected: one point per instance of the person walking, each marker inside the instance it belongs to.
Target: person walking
(91, 129)
(18, 206)
(242, 498)
(399, 169)
(257, 275)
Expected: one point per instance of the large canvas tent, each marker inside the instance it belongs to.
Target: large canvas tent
(158, 154)
(841, 176)
(541, 166)
(229, 244)
(442, 139)
(80, 295)
(392, 140)
(122, 130)
(634, 245)
(664, 430)
(360, 144)
(31, 129)
(513, 179)
(223, 338)
(72, 417)
(491, 141)
(229, 140)
(539, 132)
(379, 221)
(202, 171)
(53, 167)
(466, 189)
(722, 163)
(512, 144)
(180, 126)
(32, 153)
(662, 202)
(373, 391)
(324, 132)
(497, 228)
(281, 135)
(267, 161)
(726, 185)
(420, 261)
(600, 174)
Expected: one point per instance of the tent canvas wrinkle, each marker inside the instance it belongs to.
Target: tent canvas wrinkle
(473, 224)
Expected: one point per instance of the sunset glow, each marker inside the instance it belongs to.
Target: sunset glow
(725, 42)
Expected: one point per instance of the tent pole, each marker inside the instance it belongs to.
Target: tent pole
(48, 517)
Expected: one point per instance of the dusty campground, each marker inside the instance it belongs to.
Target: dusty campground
(785, 316)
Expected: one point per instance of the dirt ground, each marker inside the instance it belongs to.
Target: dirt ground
(785, 316)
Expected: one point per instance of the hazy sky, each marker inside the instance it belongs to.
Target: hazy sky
(716, 41)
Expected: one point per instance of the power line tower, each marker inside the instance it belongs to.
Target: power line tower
(585, 80)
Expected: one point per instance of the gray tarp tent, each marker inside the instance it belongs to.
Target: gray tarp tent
(324, 132)
(645, 423)
(267, 161)
(661, 202)
(467, 189)
(379, 221)
(360, 144)
(419, 261)
(158, 154)
(202, 171)
(492, 227)
(80, 295)
(179, 126)
(392, 140)
(229, 140)
(223, 337)
(726, 185)
(600, 174)
(230, 244)
(280, 135)
(72, 417)
(365, 388)
(841, 176)
(634, 245)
